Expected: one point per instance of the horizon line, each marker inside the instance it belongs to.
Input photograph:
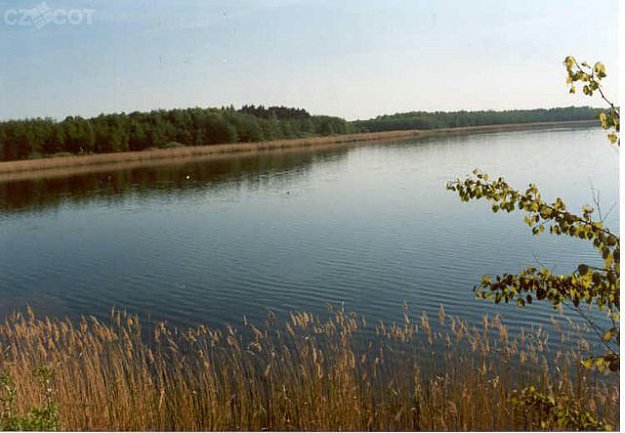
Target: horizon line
(223, 107)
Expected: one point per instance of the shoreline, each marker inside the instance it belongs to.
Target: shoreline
(306, 372)
(82, 164)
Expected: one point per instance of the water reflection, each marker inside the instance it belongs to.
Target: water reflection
(371, 226)
(253, 172)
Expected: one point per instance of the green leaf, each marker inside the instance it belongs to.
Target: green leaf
(588, 363)
(582, 269)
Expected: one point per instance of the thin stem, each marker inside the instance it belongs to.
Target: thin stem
(593, 325)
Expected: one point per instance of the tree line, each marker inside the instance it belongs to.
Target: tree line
(39, 137)
(456, 119)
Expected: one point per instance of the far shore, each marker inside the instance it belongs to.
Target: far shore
(81, 164)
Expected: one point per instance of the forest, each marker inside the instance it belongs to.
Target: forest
(43, 137)
(458, 119)
(40, 137)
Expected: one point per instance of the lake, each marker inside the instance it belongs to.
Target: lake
(368, 226)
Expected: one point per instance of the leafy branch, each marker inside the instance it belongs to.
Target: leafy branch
(590, 78)
(556, 412)
(587, 285)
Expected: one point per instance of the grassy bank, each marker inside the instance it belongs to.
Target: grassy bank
(305, 373)
(67, 165)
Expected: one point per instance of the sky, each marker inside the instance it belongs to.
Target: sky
(351, 58)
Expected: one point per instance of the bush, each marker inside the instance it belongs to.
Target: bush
(39, 418)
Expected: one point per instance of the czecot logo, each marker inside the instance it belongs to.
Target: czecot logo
(41, 15)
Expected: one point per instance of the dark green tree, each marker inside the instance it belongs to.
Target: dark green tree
(21, 139)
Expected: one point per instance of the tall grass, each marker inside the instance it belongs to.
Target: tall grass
(305, 373)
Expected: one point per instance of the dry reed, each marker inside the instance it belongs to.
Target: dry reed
(66, 165)
(305, 373)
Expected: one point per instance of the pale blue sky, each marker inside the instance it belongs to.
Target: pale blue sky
(355, 59)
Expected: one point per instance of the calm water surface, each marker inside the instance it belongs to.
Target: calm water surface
(368, 226)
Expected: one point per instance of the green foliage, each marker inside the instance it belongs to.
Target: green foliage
(587, 285)
(556, 412)
(279, 113)
(590, 79)
(23, 139)
(41, 418)
(454, 119)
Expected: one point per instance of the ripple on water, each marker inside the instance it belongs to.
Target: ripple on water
(369, 226)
